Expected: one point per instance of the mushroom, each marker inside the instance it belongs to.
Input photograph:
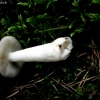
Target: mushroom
(12, 56)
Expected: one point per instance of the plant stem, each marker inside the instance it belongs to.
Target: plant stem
(52, 29)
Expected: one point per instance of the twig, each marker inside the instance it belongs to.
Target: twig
(83, 78)
(56, 97)
(50, 74)
(36, 75)
(29, 93)
(40, 92)
(70, 83)
(81, 71)
(34, 79)
(65, 87)
(22, 87)
(96, 53)
(39, 80)
(12, 94)
(81, 55)
(71, 87)
(62, 85)
(54, 87)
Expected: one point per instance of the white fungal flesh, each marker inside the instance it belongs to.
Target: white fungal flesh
(50, 52)
(11, 57)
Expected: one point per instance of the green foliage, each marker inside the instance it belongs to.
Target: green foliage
(96, 1)
(35, 22)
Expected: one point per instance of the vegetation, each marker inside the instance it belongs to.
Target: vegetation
(35, 22)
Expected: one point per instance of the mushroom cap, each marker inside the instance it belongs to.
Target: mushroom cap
(7, 68)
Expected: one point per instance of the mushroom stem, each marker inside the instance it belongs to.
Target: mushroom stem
(49, 52)
(42, 53)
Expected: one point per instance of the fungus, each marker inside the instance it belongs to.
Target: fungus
(12, 56)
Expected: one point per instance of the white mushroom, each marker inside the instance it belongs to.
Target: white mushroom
(11, 57)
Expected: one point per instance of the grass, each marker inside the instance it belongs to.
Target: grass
(35, 22)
